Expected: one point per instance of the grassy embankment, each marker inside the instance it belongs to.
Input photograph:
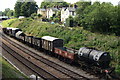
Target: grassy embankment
(73, 37)
(9, 72)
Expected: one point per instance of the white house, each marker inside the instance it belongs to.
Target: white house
(66, 12)
(43, 12)
(51, 12)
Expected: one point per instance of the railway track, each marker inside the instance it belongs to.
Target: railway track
(30, 65)
(58, 67)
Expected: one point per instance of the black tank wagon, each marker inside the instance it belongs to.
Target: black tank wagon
(94, 57)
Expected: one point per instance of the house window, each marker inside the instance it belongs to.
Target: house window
(73, 13)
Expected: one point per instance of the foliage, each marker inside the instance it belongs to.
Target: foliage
(10, 13)
(56, 19)
(34, 15)
(7, 12)
(48, 4)
(17, 8)
(7, 23)
(98, 17)
(39, 15)
(0, 13)
(70, 22)
(8, 71)
(74, 37)
(80, 10)
(25, 8)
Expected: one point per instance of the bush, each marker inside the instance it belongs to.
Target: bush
(70, 22)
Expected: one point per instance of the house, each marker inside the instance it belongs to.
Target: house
(52, 11)
(66, 12)
(43, 12)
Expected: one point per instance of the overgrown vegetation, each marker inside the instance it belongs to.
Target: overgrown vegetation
(9, 72)
(75, 37)
(99, 17)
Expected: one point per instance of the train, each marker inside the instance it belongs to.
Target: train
(87, 57)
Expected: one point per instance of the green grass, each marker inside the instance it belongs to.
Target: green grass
(7, 23)
(9, 72)
(73, 37)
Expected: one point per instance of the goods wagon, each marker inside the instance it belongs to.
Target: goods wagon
(69, 55)
(13, 31)
(29, 40)
(48, 43)
(9, 31)
(4, 30)
(36, 43)
(20, 36)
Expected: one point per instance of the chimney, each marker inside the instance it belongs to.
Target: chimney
(74, 6)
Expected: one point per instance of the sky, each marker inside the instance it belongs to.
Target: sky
(10, 3)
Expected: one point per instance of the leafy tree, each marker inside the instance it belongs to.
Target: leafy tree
(47, 4)
(17, 8)
(98, 19)
(10, 13)
(102, 17)
(0, 13)
(115, 21)
(6, 11)
(28, 8)
(80, 10)
(25, 8)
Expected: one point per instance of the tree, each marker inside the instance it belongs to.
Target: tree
(10, 13)
(102, 17)
(48, 4)
(6, 11)
(82, 5)
(115, 21)
(17, 8)
(28, 8)
(25, 8)
(0, 13)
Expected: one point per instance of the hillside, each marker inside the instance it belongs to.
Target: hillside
(73, 37)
